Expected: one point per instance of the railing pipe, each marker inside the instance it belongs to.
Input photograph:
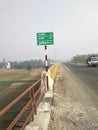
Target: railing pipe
(18, 117)
(32, 103)
(2, 112)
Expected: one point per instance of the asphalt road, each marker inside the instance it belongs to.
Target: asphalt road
(88, 75)
(75, 106)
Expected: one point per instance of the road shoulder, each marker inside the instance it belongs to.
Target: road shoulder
(72, 107)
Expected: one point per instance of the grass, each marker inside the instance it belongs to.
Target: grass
(10, 76)
(9, 79)
(10, 82)
(18, 74)
(7, 83)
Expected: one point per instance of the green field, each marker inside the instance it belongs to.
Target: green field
(10, 76)
(15, 81)
(12, 83)
(18, 74)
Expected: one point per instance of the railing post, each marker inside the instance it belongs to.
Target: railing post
(31, 103)
(31, 106)
(34, 102)
(44, 83)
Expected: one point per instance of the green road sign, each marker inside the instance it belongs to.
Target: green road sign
(45, 38)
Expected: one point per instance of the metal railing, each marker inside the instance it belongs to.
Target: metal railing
(35, 93)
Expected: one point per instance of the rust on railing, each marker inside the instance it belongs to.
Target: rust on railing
(35, 92)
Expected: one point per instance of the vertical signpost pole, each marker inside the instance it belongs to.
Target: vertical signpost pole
(45, 38)
(46, 65)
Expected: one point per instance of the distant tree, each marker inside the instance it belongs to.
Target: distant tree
(80, 58)
(24, 64)
(29, 67)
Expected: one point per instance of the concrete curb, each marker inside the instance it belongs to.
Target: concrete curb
(41, 120)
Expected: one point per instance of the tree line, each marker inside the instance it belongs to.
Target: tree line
(28, 64)
(23, 64)
(81, 58)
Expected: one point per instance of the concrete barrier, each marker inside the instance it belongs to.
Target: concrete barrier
(41, 120)
(53, 70)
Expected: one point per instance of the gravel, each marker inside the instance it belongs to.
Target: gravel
(73, 107)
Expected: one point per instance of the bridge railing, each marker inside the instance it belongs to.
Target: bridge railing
(35, 93)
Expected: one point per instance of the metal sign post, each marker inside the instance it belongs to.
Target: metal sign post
(46, 65)
(46, 59)
(45, 38)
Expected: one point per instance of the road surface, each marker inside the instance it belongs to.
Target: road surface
(87, 75)
(75, 104)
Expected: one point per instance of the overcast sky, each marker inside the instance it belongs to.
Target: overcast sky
(73, 22)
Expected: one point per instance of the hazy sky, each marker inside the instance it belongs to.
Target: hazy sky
(74, 23)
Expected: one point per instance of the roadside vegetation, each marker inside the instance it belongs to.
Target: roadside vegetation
(29, 64)
(9, 77)
(81, 58)
(22, 64)
(15, 81)
(12, 83)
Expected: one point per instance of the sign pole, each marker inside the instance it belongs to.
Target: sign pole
(46, 64)
(45, 38)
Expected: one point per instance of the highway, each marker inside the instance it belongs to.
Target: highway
(75, 100)
(87, 75)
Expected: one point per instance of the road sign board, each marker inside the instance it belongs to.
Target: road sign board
(45, 38)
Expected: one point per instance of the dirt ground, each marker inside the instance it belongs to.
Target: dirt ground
(73, 107)
(9, 93)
